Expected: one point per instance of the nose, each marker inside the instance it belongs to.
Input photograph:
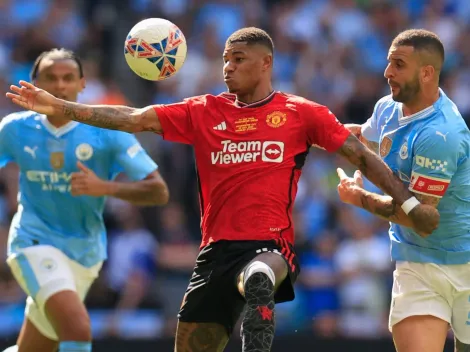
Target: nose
(229, 67)
(388, 72)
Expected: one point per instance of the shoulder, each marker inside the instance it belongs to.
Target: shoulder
(18, 118)
(300, 101)
(384, 103)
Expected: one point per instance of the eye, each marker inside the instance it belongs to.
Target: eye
(239, 59)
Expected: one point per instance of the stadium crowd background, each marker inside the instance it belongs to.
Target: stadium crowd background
(330, 51)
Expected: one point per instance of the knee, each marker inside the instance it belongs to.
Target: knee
(252, 269)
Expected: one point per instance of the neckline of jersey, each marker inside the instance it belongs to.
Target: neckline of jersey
(257, 103)
(57, 131)
(420, 114)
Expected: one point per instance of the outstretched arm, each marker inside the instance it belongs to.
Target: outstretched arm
(422, 217)
(374, 169)
(121, 118)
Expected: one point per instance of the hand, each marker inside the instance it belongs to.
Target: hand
(86, 183)
(348, 186)
(354, 129)
(425, 219)
(32, 98)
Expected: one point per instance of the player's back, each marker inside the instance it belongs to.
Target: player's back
(432, 155)
(249, 159)
(47, 157)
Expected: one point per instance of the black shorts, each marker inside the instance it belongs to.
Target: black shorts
(212, 295)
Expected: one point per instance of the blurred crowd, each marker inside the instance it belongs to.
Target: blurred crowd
(330, 51)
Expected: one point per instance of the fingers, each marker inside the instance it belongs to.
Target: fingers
(341, 174)
(27, 84)
(16, 89)
(18, 100)
(82, 167)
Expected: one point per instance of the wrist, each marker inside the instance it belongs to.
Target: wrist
(109, 188)
(410, 204)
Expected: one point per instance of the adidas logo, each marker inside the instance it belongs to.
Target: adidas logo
(221, 126)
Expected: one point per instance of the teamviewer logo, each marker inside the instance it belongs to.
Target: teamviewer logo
(272, 152)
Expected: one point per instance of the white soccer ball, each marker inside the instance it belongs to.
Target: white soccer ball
(155, 49)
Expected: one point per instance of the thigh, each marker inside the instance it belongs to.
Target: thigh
(423, 333)
(32, 340)
(417, 292)
(200, 337)
(212, 296)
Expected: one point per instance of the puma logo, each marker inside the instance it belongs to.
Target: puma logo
(31, 151)
(442, 135)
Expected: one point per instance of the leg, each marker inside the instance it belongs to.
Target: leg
(257, 283)
(31, 339)
(420, 333)
(200, 337)
(54, 307)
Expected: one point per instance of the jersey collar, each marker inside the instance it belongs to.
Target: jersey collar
(420, 114)
(57, 132)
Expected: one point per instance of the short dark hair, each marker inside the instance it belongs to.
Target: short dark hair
(252, 35)
(56, 54)
(423, 40)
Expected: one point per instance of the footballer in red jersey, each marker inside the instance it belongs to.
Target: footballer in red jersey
(250, 145)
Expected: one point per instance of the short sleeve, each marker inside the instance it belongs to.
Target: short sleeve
(436, 157)
(322, 127)
(5, 135)
(176, 122)
(130, 157)
(370, 130)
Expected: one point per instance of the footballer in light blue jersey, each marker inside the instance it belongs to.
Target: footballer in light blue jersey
(429, 151)
(418, 131)
(57, 240)
(47, 156)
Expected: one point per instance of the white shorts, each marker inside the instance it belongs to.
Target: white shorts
(42, 271)
(442, 291)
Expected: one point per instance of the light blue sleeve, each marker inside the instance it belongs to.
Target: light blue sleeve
(436, 156)
(5, 141)
(370, 130)
(130, 157)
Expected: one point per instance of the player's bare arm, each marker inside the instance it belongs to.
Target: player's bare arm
(150, 191)
(381, 175)
(121, 118)
(356, 131)
(351, 191)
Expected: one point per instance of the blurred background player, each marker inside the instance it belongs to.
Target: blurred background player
(248, 183)
(420, 134)
(57, 241)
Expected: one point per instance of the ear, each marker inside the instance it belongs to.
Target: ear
(427, 73)
(82, 83)
(267, 62)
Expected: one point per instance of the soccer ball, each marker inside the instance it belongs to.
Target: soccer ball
(155, 49)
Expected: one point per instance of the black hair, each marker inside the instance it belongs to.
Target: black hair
(423, 40)
(56, 54)
(252, 35)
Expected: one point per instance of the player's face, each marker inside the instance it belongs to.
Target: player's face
(61, 78)
(245, 66)
(403, 73)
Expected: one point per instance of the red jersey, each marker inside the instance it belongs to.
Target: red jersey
(249, 159)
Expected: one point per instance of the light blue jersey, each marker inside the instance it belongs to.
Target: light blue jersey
(47, 156)
(429, 151)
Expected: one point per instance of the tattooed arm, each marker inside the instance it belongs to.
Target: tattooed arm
(121, 118)
(386, 208)
(356, 131)
(423, 218)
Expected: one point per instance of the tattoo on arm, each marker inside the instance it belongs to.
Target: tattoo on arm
(112, 117)
(374, 146)
(384, 207)
(200, 337)
(461, 347)
(429, 200)
(374, 169)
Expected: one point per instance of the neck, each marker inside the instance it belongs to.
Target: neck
(258, 94)
(57, 122)
(422, 102)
